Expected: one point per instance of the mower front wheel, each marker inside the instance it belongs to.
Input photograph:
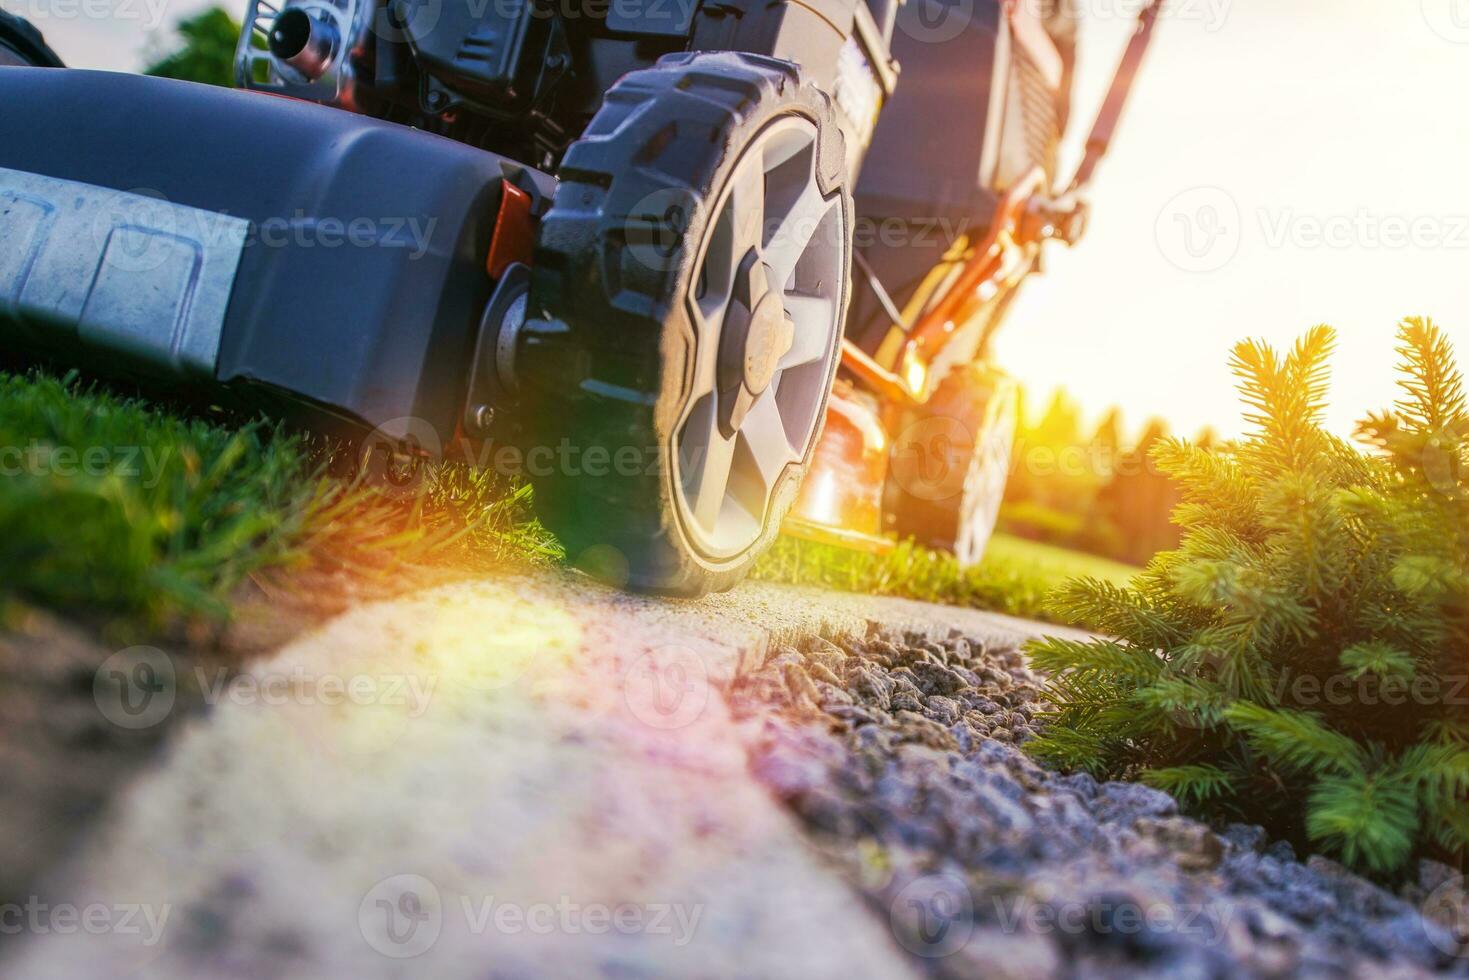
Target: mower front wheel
(686, 307)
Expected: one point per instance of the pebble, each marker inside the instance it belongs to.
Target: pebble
(915, 747)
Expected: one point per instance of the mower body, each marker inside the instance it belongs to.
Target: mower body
(355, 270)
(351, 295)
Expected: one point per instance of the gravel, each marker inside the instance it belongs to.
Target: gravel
(849, 809)
(901, 757)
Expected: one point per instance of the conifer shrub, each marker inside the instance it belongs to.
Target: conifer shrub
(1300, 660)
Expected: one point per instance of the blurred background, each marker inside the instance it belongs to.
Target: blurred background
(1282, 163)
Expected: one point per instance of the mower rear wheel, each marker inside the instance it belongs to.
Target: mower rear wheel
(951, 463)
(21, 45)
(689, 288)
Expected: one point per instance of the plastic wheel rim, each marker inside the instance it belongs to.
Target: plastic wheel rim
(773, 233)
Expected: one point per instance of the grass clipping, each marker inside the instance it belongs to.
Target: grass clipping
(1299, 661)
(111, 505)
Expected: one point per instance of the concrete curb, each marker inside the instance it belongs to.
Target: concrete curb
(529, 751)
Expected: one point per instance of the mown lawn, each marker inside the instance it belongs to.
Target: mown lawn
(1016, 576)
(115, 506)
(111, 505)
(1057, 565)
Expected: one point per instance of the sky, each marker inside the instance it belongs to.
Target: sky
(1282, 163)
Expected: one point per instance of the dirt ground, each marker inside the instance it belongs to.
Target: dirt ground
(777, 782)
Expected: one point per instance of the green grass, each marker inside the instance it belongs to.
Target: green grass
(113, 505)
(110, 504)
(1016, 576)
(1057, 565)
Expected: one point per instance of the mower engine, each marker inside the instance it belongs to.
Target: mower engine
(523, 78)
(479, 77)
(637, 250)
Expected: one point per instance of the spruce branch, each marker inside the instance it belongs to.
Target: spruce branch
(1434, 388)
(1296, 740)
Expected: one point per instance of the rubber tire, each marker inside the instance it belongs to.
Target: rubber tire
(970, 421)
(20, 39)
(607, 354)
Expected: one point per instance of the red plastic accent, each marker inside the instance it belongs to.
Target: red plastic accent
(514, 238)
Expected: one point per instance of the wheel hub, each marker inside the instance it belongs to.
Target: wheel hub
(767, 293)
(757, 334)
(768, 340)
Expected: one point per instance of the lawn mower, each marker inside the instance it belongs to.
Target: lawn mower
(699, 269)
